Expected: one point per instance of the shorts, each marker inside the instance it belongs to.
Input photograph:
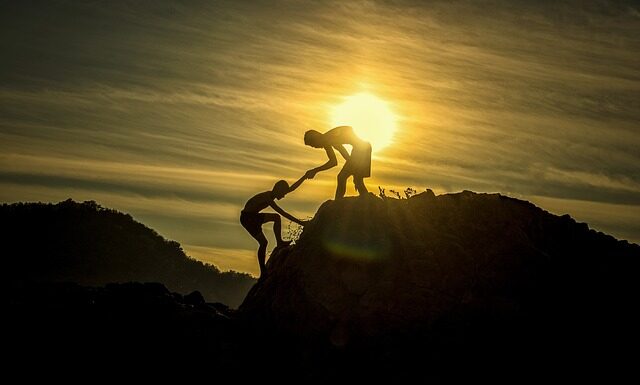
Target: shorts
(359, 164)
(252, 222)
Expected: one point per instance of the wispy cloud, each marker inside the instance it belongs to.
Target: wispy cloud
(175, 112)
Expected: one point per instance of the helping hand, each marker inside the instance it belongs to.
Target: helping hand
(310, 174)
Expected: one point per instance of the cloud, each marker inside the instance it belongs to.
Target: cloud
(180, 111)
(592, 180)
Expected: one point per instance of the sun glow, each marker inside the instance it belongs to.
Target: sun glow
(370, 117)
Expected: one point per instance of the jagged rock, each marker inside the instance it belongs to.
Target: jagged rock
(455, 268)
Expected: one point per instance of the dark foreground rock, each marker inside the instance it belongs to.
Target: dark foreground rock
(450, 288)
(477, 281)
(58, 319)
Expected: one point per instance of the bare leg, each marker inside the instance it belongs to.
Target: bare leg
(360, 187)
(277, 229)
(341, 188)
(262, 252)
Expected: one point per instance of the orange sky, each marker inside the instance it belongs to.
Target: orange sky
(179, 113)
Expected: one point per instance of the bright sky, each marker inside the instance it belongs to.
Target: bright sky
(178, 113)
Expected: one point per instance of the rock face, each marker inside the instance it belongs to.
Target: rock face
(459, 271)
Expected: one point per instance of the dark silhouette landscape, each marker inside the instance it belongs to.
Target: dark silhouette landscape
(90, 245)
(276, 138)
(460, 286)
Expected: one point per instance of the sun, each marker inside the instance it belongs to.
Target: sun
(370, 117)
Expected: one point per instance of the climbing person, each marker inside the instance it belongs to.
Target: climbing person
(252, 218)
(358, 162)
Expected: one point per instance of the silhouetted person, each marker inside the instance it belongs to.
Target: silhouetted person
(252, 219)
(358, 163)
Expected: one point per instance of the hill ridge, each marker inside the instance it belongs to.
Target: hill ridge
(92, 245)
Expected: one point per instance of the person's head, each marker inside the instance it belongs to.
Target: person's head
(280, 189)
(313, 138)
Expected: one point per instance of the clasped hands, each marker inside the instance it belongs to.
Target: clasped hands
(310, 174)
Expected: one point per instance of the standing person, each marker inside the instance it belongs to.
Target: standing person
(252, 219)
(358, 163)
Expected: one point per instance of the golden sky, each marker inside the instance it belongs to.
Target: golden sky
(177, 112)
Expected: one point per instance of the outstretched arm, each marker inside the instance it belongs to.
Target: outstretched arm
(285, 214)
(332, 162)
(298, 183)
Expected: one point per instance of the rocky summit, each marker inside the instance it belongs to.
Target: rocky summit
(459, 277)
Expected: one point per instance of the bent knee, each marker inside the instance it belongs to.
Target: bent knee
(271, 217)
(343, 175)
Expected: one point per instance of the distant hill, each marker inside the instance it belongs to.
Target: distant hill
(91, 245)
